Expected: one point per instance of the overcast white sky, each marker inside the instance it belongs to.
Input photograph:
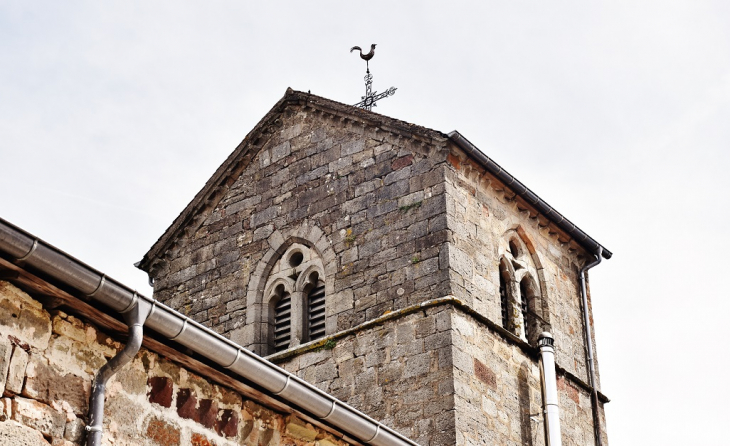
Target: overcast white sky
(114, 114)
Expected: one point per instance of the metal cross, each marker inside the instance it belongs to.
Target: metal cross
(368, 101)
(371, 97)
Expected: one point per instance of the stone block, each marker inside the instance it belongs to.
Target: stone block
(417, 365)
(208, 413)
(163, 433)
(16, 371)
(264, 216)
(71, 327)
(402, 162)
(23, 317)
(15, 434)
(263, 232)
(6, 350)
(160, 390)
(200, 440)
(299, 429)
(50, 385)
(227, 424)
(74, 430)
(485, 374)
(39, 416)
(344, 301)
(7, 409)
(186, 404)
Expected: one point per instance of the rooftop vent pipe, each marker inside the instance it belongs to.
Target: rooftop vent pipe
(549, 390)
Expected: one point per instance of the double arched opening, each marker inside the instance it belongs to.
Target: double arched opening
(295, 299)
(523, 304)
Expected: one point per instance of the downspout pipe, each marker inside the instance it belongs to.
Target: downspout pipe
(551, 410)
(589, 346)
(135, 319)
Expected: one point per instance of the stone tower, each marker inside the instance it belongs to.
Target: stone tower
(393, 266)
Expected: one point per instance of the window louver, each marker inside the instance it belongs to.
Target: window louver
(523, 304)
(504, 301)
(282, 323)
(315, 313)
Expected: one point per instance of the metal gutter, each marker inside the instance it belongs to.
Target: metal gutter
(589, 347)
(523, 191)
(51, 261)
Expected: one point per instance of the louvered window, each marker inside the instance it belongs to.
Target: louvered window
(315, 313)
(504, 301)
(523, 300)
(282, 323)
(526, 295)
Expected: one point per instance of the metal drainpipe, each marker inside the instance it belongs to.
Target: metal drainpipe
(589, 346)
(549, 390)
(135, 318)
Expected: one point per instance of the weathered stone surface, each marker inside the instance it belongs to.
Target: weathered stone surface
(53, 399)
(398, 216)
(70, 327)
(200, 440)
(7, 409)
(6, 350)
(48, 384)
(160, 390)
(300, 429)
(186, 404)
(386, 372)
(339, 195)
(23, 317)
(74, 430)
(227, 424)
(16, 371)
(39, 416)
(15, 434)
(163, 433)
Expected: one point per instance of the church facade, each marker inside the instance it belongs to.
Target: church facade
(396, 268)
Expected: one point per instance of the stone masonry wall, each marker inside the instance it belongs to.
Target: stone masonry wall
(480, 213)
(371, 202)
(398, 371)
(397, 221)
(498, 396)
(47, 362)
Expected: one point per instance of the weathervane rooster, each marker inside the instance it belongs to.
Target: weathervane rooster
(365, 57)
(371, 97)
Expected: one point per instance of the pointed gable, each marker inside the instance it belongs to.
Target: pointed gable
(260, 137)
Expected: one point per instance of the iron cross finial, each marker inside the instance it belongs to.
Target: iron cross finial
(368, 101)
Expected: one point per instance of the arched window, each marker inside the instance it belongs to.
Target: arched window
(315, 311)
(503, 300)
(506, 294)
(528, 300)
(296, 299)
(282, 320)
(522, 304)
